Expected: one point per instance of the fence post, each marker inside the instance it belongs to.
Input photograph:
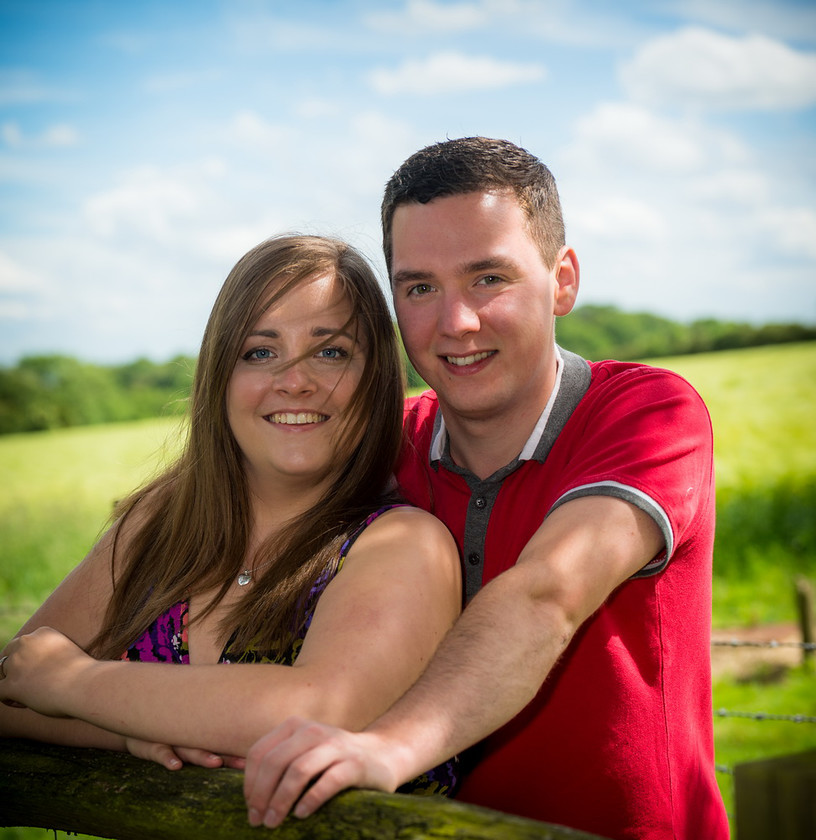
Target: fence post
(776, 797)
(804, 610)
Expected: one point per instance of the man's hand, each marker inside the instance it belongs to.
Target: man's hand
(281, 765)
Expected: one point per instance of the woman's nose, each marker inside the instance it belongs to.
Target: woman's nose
(296, 378)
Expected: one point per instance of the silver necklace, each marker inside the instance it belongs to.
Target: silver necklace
(245, 577)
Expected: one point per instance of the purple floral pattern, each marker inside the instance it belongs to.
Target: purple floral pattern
(166, 641)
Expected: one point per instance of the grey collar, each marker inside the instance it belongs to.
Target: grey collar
(575, 377)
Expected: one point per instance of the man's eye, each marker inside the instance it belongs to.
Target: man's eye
(420, 289)
(490, 280)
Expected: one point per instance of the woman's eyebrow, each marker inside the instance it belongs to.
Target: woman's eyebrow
(317, 332)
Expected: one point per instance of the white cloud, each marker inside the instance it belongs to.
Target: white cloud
(795, 21)
(12, 135)
(148, 202)
(554, 21)
(169, 83)
(732, 186)
(253, 130)
(54, 136)
(58, 136)
(15, 310)
(622, 219)
(702, 68)
(450, 72)
(791, 229)
(312, 109)
(426, 16)
(623, 135)
(20, 86)
(16, 277)
(616, 133)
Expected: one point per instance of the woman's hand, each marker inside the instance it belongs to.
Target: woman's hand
(174, 758)
(297, 753)
(40, 669)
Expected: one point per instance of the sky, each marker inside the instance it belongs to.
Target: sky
(145, 145)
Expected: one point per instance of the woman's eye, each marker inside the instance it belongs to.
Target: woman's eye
(257, 354)
(332, 353)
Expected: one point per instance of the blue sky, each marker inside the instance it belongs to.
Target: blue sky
(144, 146)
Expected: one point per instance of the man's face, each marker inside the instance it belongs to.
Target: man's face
(475, 304)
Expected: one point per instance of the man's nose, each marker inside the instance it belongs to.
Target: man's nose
(458, 317)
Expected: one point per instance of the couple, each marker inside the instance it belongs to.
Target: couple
(579, 495)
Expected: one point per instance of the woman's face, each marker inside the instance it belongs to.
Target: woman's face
(288, 418)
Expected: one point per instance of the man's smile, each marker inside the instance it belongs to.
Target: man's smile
(462, 361)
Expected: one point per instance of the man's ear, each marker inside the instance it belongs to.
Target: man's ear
(567, 278)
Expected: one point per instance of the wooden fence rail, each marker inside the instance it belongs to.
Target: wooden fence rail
(109, 794)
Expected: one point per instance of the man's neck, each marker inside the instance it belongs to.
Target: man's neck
(481, 449)
(484, 446)
(489, 443)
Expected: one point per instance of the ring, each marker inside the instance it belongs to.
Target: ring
(3, 667)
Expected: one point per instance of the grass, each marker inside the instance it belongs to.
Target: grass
(762, 402)
(58, 488)
(56, 496)
(786, 692)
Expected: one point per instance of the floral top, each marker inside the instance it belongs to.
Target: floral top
(166, 640)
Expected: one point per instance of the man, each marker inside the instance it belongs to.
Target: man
(581, 496)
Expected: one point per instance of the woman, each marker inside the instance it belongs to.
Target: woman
(275, 520)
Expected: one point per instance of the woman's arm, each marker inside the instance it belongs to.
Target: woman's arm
(75, 608)
(374, 630)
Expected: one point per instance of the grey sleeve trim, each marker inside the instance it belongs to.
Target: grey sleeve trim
(640, 500)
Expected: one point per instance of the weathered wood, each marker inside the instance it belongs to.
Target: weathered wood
(109, 794)
(804, 611)
(776, 797)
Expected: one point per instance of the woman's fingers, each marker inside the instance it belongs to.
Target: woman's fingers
(173, 758)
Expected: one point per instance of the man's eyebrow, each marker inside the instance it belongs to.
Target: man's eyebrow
(408, 275)
(489, 264)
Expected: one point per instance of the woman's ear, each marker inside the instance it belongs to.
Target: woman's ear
(567, 278)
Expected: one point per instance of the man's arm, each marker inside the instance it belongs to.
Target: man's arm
(490, 665)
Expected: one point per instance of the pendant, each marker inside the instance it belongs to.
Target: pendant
(244, 578)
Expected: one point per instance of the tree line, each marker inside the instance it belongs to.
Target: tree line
(50, 392)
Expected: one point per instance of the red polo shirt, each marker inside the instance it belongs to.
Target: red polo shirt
(619, 739)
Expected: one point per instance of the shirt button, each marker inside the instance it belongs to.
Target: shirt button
(481, 502)
(473, 559)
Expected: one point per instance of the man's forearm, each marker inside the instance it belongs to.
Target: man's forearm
(479, 678)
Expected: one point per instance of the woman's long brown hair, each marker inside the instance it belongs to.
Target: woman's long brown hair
(191, 525)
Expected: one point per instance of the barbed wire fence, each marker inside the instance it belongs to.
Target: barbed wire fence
(807, 648)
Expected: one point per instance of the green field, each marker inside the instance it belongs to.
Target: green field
(58, 487)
